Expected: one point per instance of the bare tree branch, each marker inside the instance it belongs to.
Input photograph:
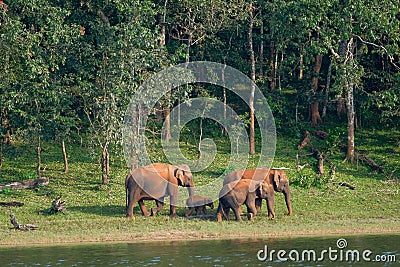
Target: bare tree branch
(391, 58)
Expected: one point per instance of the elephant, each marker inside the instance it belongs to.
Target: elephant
(245, 191)
(198, 204)
(154, 182)
(276, 179)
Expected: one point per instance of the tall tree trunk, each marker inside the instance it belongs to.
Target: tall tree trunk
(253, 78)
(1, 154)
(315, 116)
(261, 45)
(38, 160)
(301, 66)
(272, 82)
(105, 164)
(349, 59)
(64, 152)
(224, 131)
(300, 77)
(328, 85)
(350, 123)
(166, 130)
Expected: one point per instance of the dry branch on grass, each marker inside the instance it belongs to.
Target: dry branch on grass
(57, 206)
(306, 139)
(22, 227)
(319, 156)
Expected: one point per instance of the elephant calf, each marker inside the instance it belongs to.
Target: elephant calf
(198, 204)
(276, 179)
(245, 191)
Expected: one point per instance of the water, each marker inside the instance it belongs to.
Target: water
(236, 252)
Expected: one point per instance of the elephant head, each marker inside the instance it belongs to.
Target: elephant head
(281, 184)
(263, 191)
(184, 177)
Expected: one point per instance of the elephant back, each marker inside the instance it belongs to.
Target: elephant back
(252, 174)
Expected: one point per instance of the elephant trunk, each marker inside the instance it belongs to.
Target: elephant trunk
(191, 191)
(286, 193)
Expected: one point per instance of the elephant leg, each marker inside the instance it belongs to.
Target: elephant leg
(270, 205)
(129, 209)
(131, 197)
(203, 208)
(258, 204)
(197, 210)
(160, 206)
(191, 209)
(173, 194)
(172, 211)
(143, 208)
(172, 207)
(251, 210)
(237, 214)
(221, 211)
(227, 211)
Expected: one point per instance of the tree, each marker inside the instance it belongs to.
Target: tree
(251, 11)
(123, 37)
(34, 39)
(315, 117)
(355, 37)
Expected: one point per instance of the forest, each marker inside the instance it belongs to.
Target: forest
(69, 68)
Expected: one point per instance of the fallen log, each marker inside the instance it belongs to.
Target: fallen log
(11, 204)
(321, 134)
(26, 184)
(362, 155)
(352, 187)
(369, 162)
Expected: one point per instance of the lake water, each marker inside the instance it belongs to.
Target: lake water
(305, 251)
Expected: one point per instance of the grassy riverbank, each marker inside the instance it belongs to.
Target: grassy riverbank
(96, 212)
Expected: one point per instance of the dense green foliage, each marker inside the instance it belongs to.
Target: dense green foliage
(69, 68)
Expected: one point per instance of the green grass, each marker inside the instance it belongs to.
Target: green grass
(96, 212)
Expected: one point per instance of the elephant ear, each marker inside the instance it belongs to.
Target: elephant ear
(179, 174)
(276, 178)
(254, 186)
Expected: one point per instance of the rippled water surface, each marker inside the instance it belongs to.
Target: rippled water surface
(307, 251)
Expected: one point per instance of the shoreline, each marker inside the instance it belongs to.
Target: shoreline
(374, 230)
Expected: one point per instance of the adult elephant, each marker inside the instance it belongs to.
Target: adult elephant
(276, 179)
(245, 191)
(155, 182)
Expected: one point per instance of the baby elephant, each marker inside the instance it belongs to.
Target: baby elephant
(198, 204)
(245, 191)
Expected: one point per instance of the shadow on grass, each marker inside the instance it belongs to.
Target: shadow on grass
(119, 211)
(110, 211)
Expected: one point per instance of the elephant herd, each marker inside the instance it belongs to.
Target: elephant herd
(249, 187)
